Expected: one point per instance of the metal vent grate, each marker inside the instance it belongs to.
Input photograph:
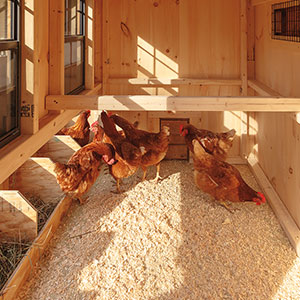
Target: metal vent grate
(286, 21)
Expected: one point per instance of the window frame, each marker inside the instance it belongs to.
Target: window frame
(78, 37)
(14, 44)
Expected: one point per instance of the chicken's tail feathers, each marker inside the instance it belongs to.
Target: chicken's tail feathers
(260, 199)
(229, 135)
(108, 124)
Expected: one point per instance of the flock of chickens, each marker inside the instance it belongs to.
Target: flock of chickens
(124, 151)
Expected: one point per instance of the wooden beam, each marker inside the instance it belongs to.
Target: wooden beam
(89, 44)
(17, 152)
(40, 57)
(29, 103)
(259, 2)
(288, 224)
(244, 75)
(175, 81)
(105, 45)
(18, 218)
(173, 103)
(24, 269)
(262, 89)
(98, 40)
(56, 47)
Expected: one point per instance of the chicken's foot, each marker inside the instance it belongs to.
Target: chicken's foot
(157, 177)
(82, 200)
(227, 206)
(118, 190)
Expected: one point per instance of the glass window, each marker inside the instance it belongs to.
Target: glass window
(74, 46)
(9, 66)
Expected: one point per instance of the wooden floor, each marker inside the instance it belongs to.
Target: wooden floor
(166, 241)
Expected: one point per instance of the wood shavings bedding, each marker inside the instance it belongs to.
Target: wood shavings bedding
(166, 241)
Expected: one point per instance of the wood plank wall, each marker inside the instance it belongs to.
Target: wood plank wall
(174, 39)
(278, 135)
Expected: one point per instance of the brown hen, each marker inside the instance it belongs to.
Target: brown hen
(122, 169)
(80, 131)
(220, 179)
(217, 144)
(155, 145)
(79, 174)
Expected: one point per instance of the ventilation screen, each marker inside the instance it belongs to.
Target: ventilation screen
(286, 21)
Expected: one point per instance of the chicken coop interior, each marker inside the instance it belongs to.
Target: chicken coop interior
(218, 65)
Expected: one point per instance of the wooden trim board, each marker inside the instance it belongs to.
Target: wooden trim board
(167, 103)
(288, 224)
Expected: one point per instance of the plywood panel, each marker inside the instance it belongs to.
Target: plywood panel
(171, 39)
(18, 218)
(278, 136)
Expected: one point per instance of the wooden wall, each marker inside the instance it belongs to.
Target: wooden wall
(174, 39)
(278, 135)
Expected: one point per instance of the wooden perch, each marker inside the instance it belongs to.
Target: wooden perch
(18, 218)
(167, 103)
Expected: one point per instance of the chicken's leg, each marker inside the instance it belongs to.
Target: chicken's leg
(145, 172)
(157, 177)
(231, 210)
(82, 199)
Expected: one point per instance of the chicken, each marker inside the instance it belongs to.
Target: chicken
(155, 145)
(220, 179)
(217, 144)
(122, 169)
(79, 174)
(80, 131)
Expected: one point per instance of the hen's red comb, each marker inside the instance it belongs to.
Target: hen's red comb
(261, 199)
(95, 124)
(180, 128)
(262, 196)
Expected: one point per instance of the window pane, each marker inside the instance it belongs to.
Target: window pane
(8, 91)
(73, 65)
(71, 17)
(5, 20)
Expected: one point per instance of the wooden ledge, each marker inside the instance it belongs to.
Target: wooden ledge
(288, 224)
(175, 81)
(172, 103)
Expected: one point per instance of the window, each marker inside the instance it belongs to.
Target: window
(9, 71)
(74, 46)
(286, 21)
